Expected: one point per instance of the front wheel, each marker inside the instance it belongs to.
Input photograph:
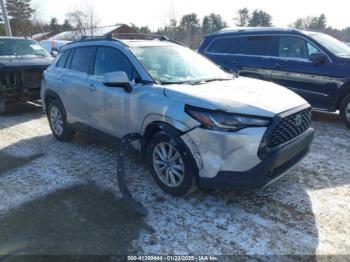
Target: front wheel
(345, 110)
(172, 163)
(58, 123)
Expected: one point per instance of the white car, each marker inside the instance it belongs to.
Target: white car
(198, 123)
(53, 46)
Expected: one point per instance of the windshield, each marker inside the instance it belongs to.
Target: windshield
(21, 47)
(177, 64)
(335, 46)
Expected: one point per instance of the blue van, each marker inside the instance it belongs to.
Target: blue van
(312, 64)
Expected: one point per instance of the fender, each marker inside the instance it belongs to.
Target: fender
(153, 118)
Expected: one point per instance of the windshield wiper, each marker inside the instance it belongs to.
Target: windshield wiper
(173, 83)
(209, 80)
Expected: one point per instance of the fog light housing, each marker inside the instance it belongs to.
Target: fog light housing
(262, 153)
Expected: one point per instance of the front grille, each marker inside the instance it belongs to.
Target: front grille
(290, 127)
(16, 79)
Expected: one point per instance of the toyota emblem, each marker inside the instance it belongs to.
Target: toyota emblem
(298, 120)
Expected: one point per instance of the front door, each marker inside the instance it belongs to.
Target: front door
(109, 107)
(294, 70)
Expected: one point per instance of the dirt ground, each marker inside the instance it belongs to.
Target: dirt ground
(62, 198)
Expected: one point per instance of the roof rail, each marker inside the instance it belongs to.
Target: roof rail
(141, 36)
(124, 36)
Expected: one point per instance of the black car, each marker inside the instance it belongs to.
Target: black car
(313, 64)
(22, 62)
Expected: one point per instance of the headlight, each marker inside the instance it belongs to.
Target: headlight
(216, 120)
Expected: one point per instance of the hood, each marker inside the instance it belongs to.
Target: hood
(25, 62)
(242, 95)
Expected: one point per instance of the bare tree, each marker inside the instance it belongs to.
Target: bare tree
(84, 20)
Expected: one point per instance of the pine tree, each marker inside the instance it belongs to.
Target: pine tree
(20, 12)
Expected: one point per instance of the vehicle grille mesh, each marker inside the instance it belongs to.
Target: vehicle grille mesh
(290, 127)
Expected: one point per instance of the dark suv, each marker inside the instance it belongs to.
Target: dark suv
(314, 65)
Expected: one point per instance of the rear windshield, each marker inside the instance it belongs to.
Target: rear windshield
(21, 47)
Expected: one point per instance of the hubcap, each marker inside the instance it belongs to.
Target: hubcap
(56, 120)
(168, 164)
(347, 110)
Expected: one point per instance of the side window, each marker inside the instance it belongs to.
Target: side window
(293, 47)
(228, 45)
(111, 60)
(63, 59)
(83, 59)
(312, 49)
(220, 45)
(257, 45)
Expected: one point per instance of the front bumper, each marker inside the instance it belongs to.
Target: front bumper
(274, 166)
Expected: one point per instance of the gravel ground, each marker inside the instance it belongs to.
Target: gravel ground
(62, 198)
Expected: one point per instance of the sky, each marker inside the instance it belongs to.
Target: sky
(156, 13)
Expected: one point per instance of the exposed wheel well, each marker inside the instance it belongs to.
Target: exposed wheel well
(151, 130)
(49, 98)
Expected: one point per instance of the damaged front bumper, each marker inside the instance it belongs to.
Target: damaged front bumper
(230, 160)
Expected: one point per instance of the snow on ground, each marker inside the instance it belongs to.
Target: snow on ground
(306, 212)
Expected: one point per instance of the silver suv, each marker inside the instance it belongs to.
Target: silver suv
(198, 124)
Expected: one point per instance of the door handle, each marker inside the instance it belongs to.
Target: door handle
(280, 66)
(92, 87)
(236, 62)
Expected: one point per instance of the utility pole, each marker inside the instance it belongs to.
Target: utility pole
(6, 20)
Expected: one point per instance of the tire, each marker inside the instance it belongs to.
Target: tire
(58, 123)
(181, 180)
(345, 110)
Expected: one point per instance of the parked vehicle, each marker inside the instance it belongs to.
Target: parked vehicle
(22, 62)
(314, 65)
(197, 122)
(53, 46)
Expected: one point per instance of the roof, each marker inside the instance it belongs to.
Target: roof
(14, 37)
(77, 34)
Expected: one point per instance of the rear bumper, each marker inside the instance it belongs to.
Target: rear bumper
(278, 162)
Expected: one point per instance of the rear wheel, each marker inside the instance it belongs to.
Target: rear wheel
(58, 123)
(172, 163)
(345, 110)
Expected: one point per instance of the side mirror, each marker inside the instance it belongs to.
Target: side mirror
(117, 79)
(54, 53)
(318, 58)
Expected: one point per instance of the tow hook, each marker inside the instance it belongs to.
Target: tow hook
(124, 147)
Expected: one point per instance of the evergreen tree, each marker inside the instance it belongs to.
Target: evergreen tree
(20, 12)
(212, 23)
(260, 18)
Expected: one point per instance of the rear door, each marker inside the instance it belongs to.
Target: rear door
(294, 70)
(75, 83)
(248, 55)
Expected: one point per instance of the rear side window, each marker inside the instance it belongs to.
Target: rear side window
(111, 60)
(257, 45)
(83, 58)
(63, 59)
(228, 45)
